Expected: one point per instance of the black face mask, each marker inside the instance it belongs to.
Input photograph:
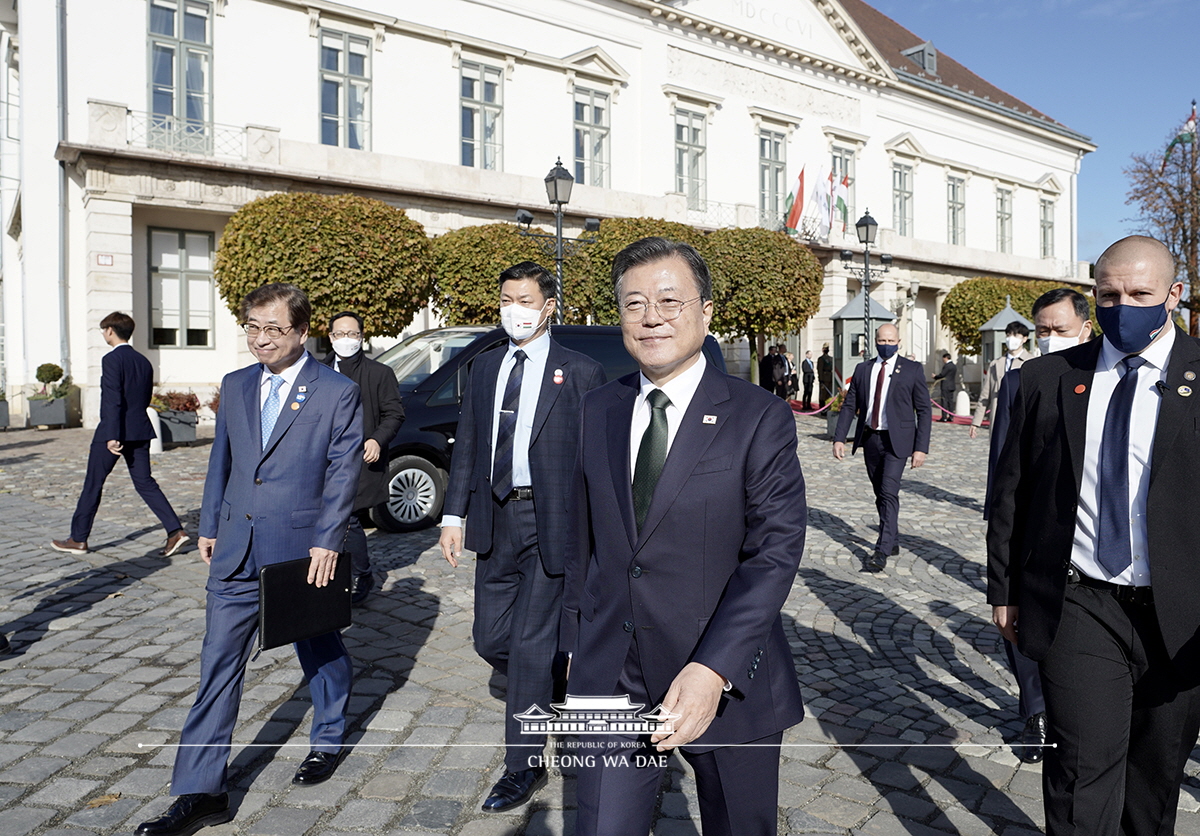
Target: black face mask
(886, 351)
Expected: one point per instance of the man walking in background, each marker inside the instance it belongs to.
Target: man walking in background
(948, 386)
(382, 416)
(889, 398)
(124, 431)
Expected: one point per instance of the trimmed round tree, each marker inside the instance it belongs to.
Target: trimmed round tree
(970, 304)
(468, 263)
(345, 251)
(591, 268)
(764, 282)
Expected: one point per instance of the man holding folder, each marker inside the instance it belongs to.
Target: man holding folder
(281, 483)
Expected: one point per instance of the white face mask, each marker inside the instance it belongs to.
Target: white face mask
(1054, 342)
(520, 322)
(1015, 342)
(346, 347)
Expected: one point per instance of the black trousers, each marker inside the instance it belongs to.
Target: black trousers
(1030, 699)
(100, 464)
(737, 786)
(356, 546)
(884, 468)
(1123, 719)
(808, 387)
(516, 622)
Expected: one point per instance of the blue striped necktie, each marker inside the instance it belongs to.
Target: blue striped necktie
(502, 461)
(270, 410)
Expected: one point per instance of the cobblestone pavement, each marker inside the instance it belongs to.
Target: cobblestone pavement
(909, 704)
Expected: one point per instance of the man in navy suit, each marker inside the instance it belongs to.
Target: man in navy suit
(689, 522)
(281, 483)
(889, 397)
(126, 385)
(509, 478)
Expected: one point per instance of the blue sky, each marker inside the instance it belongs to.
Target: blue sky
(1123, 72)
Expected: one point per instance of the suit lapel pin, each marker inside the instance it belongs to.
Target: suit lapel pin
(1184, 390)
(302, 389)
(558, 376)
(295, 406)
(1080, 389)
(301, 397)
(710, 419)
(1189, 375)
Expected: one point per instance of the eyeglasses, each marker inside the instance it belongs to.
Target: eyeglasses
(341, 335)
(668, 309)
(273, 332)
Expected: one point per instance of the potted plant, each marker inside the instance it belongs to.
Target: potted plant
(214, 403)
(831, 414)
(176, 415)
(50, 407)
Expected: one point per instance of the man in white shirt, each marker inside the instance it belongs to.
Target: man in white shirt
(1092, 553)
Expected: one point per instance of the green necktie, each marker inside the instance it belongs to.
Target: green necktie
(651, 455)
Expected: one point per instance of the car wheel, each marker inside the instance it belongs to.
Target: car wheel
(416, 490)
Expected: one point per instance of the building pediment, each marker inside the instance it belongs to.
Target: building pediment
(1049, 183)
(597, 63)
(906, 145)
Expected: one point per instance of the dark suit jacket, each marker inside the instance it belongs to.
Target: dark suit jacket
(299, 492)
(716, 557)
(949, 379)
(907, 407)
(383, 415)
(1037, 485)
(552, 448)
(808, 369)
(1003, 402)
(126, 385)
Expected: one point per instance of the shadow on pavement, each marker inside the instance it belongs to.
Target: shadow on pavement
(940, 495)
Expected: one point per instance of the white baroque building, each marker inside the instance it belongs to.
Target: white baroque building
(132, 129)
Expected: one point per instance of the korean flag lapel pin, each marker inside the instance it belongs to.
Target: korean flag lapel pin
(709, 419)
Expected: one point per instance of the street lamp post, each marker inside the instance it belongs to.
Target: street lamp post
(558, 190)
(866, 229)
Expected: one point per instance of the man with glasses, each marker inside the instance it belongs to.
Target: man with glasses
(383, 414)
(281, 482)
(689, 520)
(516, 442)
(889, 397)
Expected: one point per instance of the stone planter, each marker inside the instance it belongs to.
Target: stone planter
(831, 420)
(3, 415)
(48, 413)
(177, 427)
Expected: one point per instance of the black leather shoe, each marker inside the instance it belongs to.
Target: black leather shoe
(316, 768)
(877, 562)
(188, 814)
(1031, 747)
(895, 550)
(361, 587)
(514, 789)
(5, 647)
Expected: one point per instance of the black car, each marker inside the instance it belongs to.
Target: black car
(432, 368)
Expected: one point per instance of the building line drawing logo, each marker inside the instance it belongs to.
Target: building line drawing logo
(596, 715)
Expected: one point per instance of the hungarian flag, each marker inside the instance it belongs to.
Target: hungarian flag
(841, 199)
(1186, 136)
(795, 205)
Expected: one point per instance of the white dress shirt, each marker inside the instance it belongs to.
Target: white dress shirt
(537, 352)
(1142, 424)
(680, 390)
(890, 368)
(289, 376)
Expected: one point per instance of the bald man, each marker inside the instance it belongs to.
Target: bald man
(1092, 551)
(889, 396)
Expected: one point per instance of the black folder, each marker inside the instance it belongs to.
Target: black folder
(291, 609)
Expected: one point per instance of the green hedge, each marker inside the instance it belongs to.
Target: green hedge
(469, 262)
(344, 251)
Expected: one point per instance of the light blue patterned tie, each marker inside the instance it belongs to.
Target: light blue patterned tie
(270, 411)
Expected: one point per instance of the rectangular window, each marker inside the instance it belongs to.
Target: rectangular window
(772, 178)
(1047, 228)
(843, 168)
(181, 289)
(956, 210)
(591, 137)
(902, 199)
(345, 78)
(689, 157)
(482, 109)
(1004, 220)
(180, 75)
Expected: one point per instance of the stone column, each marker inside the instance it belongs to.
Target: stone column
(109, 287)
